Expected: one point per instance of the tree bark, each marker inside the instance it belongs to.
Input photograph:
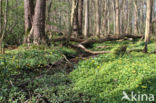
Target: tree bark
(80, 16)
(136, 18)
(73, 10)
(28, 17)
(75, 22)
(5, 27)
(39, 22)
(97, 17)
(148, 23)
(117, 17)
(86, 26)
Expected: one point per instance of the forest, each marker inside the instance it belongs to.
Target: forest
(77, 51)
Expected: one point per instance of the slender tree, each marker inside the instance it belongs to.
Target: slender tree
(97, 17)
(5, 26)
(148, 23)
(80, 16)
(117, 23)
(86, 26)
(136, 17)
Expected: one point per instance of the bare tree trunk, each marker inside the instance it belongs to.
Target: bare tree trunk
(39, 22)
(5, 26)
(105, 17)
(108, 25)
(73, 10)
(80, 16)
(1, 11)
(117, 17)
(97, 18)
(28, 17)
(114, 14)
(148, 23)
(136, 18)
(86, 26)
(75, 22)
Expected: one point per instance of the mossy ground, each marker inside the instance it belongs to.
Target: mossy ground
(100, 79)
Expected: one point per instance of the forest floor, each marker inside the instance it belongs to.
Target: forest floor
(40, 74)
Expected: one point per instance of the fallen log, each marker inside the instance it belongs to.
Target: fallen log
(64, 39)
(109, 38)
(90, 41)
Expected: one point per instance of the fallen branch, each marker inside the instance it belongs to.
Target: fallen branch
(81, 47)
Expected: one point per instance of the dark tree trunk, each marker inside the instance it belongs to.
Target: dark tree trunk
(39, 22)
(80, 16)
(75, 22)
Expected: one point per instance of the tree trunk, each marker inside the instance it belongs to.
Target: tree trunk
(80, 16)
(39, 22)
(117, 17)
(97, 17)
(75, 22)
(136, 18)
(86, 26)
(5, 27)
(28, 17)
(73, 10)
(148, 23)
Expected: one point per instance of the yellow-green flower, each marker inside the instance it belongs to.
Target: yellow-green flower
(133, 71)
(98, 67)
(144, 87)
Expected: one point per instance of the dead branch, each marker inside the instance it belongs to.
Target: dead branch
(81, 47)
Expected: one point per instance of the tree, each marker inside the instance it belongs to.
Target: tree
(39, 22)
(5, 25)
(28, 17)
(98, 17)
(80, 16)
(136, 17)
(117, 23)
(35, 21)
(71, 24)
(75, 19)
(148, 23)
(86, 26)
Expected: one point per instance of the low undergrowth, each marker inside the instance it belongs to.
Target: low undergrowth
(105, 77)
(25, 76)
